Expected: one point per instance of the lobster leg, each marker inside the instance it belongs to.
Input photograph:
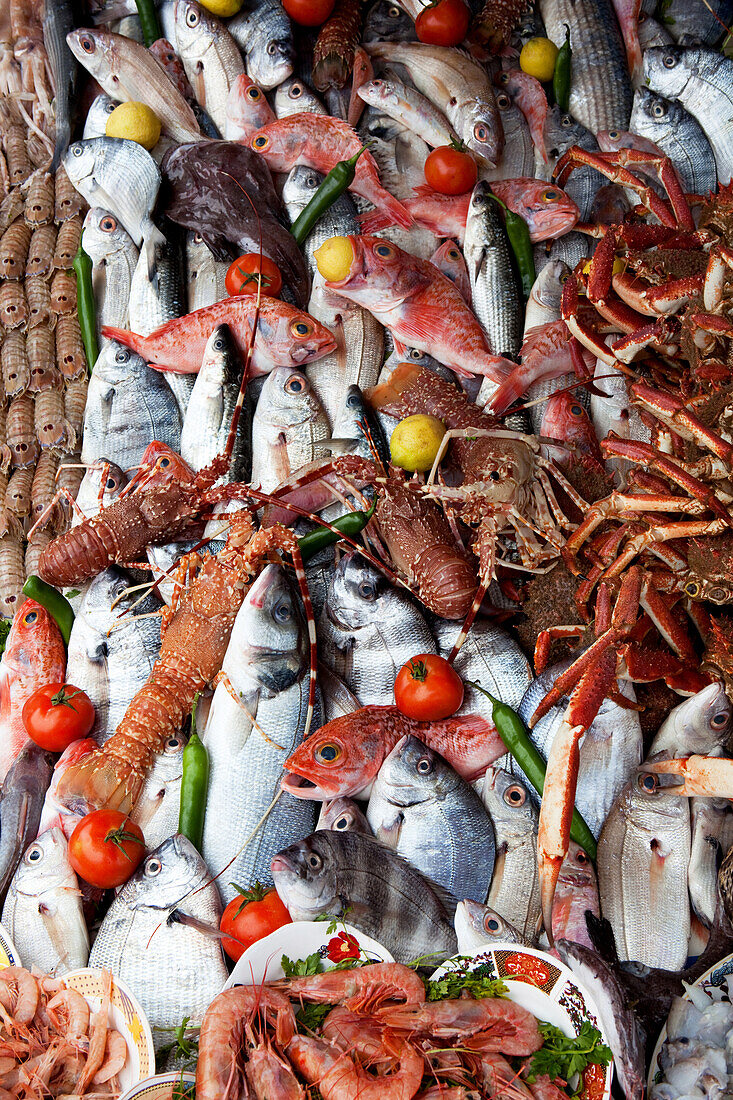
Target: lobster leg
(709, 776)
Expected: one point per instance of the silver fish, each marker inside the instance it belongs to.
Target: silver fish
(652, 33)
(489, 657)
(128, 406)
(369, 629)
(712, 837)
(205, 274)
(480, 926)
(114, 259)
(544, 303)
(211, 407)
(163, 558)
(614, 411)
(56, 21)
(576, 894)
(495, 291)
(357, 424)
(458, 86)
(157, 294)
(387, 22)
(679, 136)
(43, 911)
(156, 810)
(337, 699)
(21, 802)
(702, 80)
(696, 22)
(408, 107)
(262, 31)
(517, 158)
(343, 815)
(294, 97)
(432, 817)
(515, 888)
(210, 56)
(288, 426)
(95, 124)
(174, 969)
(331, 872)
(600, 91)
(250, 733)
(562, 131)
(699, 724)
(643, 854)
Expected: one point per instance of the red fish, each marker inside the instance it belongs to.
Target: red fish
(449, 259)
(627, 13)
(547, 353)
(344, 756)
(34, 655)
(286, 336)
(320, 142)
(566, 419)
(247, 109)
(529, 95)
(420, 306)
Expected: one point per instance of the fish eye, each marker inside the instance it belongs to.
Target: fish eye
(295, 384)
(613, 134)
(494, 475)
(111, 483)
(87, 43)
(384, 250)
(577, 410)
(341, 824)
(566, 121)
(367, 590)
(282, 612)
(192, 17)
(30, 618)
(173, 744)
(314, 861)
(271, 48)
(218, 344)
(515, 795)
(503, 101)
(658, 110)
(122, 356)
(260, 142)
(302, 329)
(452, 254)
(648, 782)
(480, 132)
(254, 93)
(424, 765)
(581, 857)
(491, 924)
(164, 462)
(328, 753)
(77, 149)
(415, 353)
(564, 278)
(296, 91)
(550, 195)
(34, 853)
(719, 720)
(503, 78)
(394, 13)
(669, 61)
(692, 588)
(108, 224)
(153, 867)
(198, 239)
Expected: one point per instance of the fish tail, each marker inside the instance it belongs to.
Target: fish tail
(100, 780)
(373, 221)
(509, 391)
(124, 336)
(391, 208)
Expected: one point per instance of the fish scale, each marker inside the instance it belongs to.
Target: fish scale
(114, 259)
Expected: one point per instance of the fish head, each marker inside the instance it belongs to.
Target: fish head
(577, 868)
(388, 22)
(562, 130)
(221, 362)
(166, 876)
(380, 272)
(477, 925)
(292, 336)
(34, 650)
(508, 801)
(93, 49)
(45, 865)
(413, 773)
(295, 97)
(95, 124)
(196, 29)
(342, 815)
(281, 142)
(305, 878)
(342, 758)
(271, 59)
(104, 234)
(667, 69)
(301, 185)
(287, 398)
(117, 364)
(80, 159)
(160, 465)
(269, 640)
(358, 594)
(548, 286)
(548, 210)
(650, 109)
(247, 108)
(565, 419)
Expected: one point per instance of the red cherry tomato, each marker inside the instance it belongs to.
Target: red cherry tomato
(443, 23)
(56, 715)
(450, 171)
(244, 275)
(250, 917)
(309, 13)
(106, 847)
(428, 688)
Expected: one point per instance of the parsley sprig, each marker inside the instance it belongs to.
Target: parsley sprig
(562, 1057)
(477, 982)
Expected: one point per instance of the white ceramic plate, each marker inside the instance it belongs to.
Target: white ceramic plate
(161, 1086)
(126, 1016)
(261, 961)
(540, 983)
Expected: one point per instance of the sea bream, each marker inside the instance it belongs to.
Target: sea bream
(210, 56)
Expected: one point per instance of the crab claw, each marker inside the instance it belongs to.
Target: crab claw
(556, 811)
(710, 776)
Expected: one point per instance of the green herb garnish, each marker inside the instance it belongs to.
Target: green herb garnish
(562, 1057)
(477, 982)
(311, 1016)
(312, 964)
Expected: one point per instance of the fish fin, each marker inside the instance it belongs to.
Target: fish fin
(373, 221)
(123, 336)
(337, 446)
(392, 207)
(510, 390)
(390, 834)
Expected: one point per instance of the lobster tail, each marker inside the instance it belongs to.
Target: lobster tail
(101, 780)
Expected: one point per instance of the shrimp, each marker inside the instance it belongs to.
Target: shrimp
(362, 989)
(41, 250)
(338, 1077)
(13, 305)
(500, 1080)
(39, 199)
(68, 200)
(67, 244)
(38, 297)
(14, 246)
(115, 1056)
(19, 993)
(351, 1031)
(39, 346)
(495, 1024)
(63, 292)
(270, 1076)
(12, 574)
(14, 364)
(68, 1011)
(97, 1037)
(219, 1073)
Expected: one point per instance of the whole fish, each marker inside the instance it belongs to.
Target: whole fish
(342, 815)
(289, 428)
(407, 106)
(420, 306)
(262, 31)
(320, 142)
(114, 259)
(127, 71)
(448, 258)
(294, 97)
(157, 295)
(562, 131)
(211, 407)
(544, 302)
(156, 810)
(246, 109)
(205, 274)
(613, 411)
(387, 22)
(490, 657)
(699, 724)
(702, 80)
(43, 910)
(210, 57)
(54, 815)
(369, 629)
(331, 872)
(95, 124)
(515, 887)
(423, 810)
(575, 895)
(480, 926)
(679, 136)
(128, 406)
(175, 969)
(57, 21)
(252, 725)
(517, 158)
(285, 336)
(643, 854)
(458, 86)
(496, 294)
(360, 742)
(600, 89)
(712, 838)
(34, 655)
(21, 802)
(357, 423)
(529, 96)
(698, 23)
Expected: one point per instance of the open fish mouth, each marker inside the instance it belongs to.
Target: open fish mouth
(301, 787)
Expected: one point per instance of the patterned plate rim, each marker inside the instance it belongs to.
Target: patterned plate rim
(144, 1041)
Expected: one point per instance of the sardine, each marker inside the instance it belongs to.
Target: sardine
(423, 810)
(679, 136)
(576, 894)
(210, 57)
(95, 124)
(205, 274)
(495, 291)
(480, 926)
(174, 969)
(43, 911)
(515, 888)
(252, 726)
(518, 157)
(562, 131)
(156, 810)
(342, 815)
(369, 629)
(411, 109)
(262, 31)
(114, 259)
(293, 97)
(128, 406)
(331, 873)
(21, 802)
(211, 407)
(288, 425)
(57, 22)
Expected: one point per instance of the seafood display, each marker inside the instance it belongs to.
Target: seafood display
(366, 547)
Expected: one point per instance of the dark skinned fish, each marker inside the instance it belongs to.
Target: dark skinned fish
(58, 20)
(21, 802)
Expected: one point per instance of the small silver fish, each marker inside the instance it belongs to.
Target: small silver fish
(294, 97)
(411, 109)
(343, 815)
(210, 57)
(515, 887)
(211, 407)
(288, 426)
(114, 259)
(95, 124)
(699, 724)
(263, 32)
(495, 291)
(205, 274)
(480, 926)
(156, 810)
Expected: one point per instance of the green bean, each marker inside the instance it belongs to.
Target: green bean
(521, 243)
(148, 21)
(335, 183)
(561, 76)
(350, 524)
(513, 733)
(85, 305)
(194, 786)
(55, 603)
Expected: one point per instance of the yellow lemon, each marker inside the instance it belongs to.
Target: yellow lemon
(334, 258)
(415, 441)
(136, 122)
(224, 8)
(538, 58)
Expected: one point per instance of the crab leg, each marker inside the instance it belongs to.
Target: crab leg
(709, 776)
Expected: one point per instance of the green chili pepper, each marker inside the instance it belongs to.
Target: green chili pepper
(519, 239)
(561, 76)
(85, 306)
(194, 786)
(148, 17)
(513, 733)
(350, 524)
(335, 183)
(55, 603)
